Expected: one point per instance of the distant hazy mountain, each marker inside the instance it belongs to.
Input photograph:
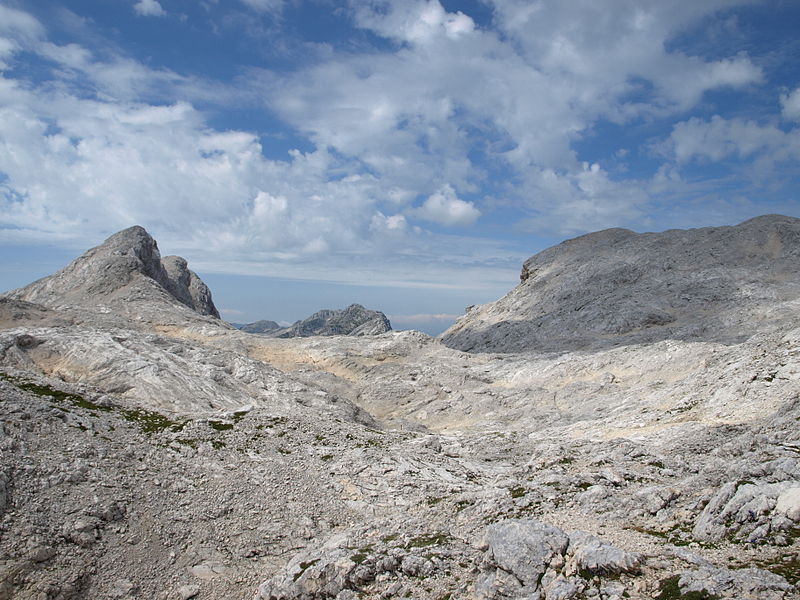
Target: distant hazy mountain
(257, 327)
(353, 320)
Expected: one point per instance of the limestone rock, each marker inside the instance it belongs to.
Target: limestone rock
(747, 510)
(618, 287)
(127, 267)
(598, 557)
(754, 583)
(788, 504)
(521, 549)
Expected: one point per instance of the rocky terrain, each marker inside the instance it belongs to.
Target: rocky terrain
(149, 450)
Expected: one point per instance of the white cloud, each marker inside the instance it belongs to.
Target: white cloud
(446, 208)
(271, 6)
(149, 8)
(790, 103)
(416, 21)
(537, 85)
(587, 199)
(18, 23)
(720, 138)
(105, 144)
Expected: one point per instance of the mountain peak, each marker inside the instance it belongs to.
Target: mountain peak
(125, 267)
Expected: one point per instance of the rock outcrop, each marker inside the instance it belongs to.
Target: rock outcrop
(354, 320)
(617, 287)
(126, 268)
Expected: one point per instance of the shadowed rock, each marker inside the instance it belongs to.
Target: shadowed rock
(617, 287)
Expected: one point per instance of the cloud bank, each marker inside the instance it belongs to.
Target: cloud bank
(406, 148)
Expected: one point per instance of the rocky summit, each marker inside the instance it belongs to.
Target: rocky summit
(126, 268)
(634, 435)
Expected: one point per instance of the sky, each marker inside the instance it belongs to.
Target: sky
(407, 155)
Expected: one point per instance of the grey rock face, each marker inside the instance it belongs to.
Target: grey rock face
(599, 557)
(147, 451)
(618, 287)
(749, 511)
(187, 287)
(354, 320)
(741, 583)
(127, 267)
(523, 550)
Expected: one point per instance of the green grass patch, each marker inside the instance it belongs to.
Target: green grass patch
(788, 569)
(518, 492)
(426, 540)
(220, 425)
(304, 566)
(670, 590)
(45, 391)
(150, 421)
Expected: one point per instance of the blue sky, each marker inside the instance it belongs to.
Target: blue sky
(407, 155)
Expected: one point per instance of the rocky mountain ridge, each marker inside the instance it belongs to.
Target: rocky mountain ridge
(148, 451)
(354, 320)
(617, 287)
(263, 326)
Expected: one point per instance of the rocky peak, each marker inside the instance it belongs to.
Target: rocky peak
(353, 320)
(126, 267)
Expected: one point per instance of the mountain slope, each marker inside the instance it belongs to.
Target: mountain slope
(617, 287)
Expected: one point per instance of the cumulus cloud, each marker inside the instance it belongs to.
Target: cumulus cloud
(790, 103)
(149, 8)
(586, 199)
(415, 22)
(415, 115)
(395, 135)
(720, 138)
(78, 166)
(446, 208)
